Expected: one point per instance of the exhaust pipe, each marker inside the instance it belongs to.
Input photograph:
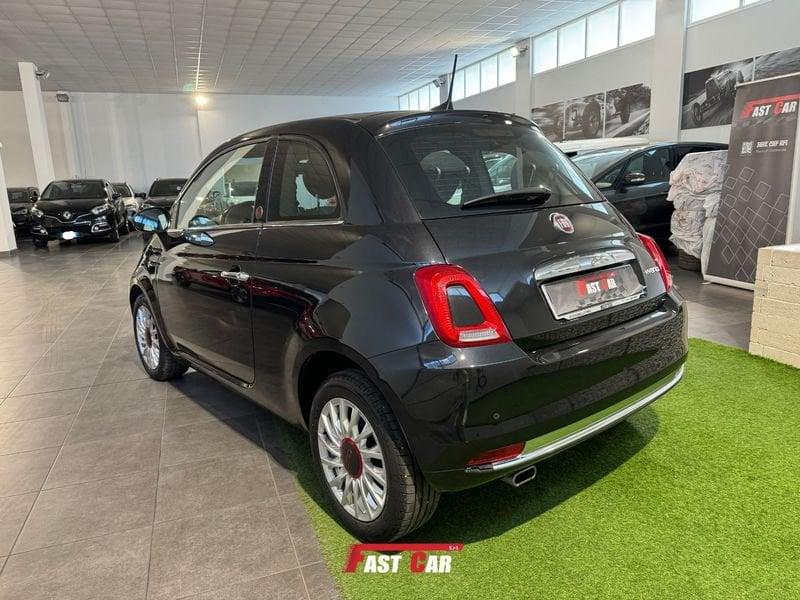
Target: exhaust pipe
(521, 477)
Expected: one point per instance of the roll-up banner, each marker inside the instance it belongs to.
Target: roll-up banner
(758, 207)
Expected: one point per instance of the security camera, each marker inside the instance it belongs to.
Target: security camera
(440, 81)
(41, 74)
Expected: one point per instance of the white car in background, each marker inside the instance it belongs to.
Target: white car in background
(129, 198)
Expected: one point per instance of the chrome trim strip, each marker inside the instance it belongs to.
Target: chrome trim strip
(538, 450)
(582, 262)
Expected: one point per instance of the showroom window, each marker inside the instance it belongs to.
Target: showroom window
(705, 9)
(603, 30)
(423, 98)
(302, 184)
(225, 192)
(487, 74)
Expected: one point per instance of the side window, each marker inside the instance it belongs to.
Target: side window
(653, 163)
(225, 192)
(608, 180)
(302, 185)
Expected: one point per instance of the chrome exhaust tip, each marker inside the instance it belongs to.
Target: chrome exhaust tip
(521, 477)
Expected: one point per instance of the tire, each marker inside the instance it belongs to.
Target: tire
(697, 114)
(37, 243)
(591, 121)
(625, 112)
(688, 262)
(113, 236)
(408, 499)
(157, 360)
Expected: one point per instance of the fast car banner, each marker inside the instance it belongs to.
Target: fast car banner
(755, 205)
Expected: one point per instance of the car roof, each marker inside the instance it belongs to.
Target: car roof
(84, 179)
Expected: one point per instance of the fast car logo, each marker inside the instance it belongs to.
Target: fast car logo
(562, 222)
(771, 107)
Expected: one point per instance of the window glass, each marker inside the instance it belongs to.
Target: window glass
(424, 99)
(166, 187)
(403, 102)
(489, 73)
(653, 163)
(225, 192)
(500, 166)
(302, 184)
(608, 180)
(545, 52)
(433, 94)
(572, 42)
(75, 190)
(472, 79)
(601, 30)
(122, 189)
(702, 9)
(637, 20)
(413, 100)
(506, 68)
(458, 85)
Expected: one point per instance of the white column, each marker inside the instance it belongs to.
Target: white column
(37, 124)
(67, 126)
(8, 245)
(669, 48)
(522, 86)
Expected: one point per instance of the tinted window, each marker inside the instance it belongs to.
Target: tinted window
(17, 196)
(443, 166)
(166, 187)
(225, 192)
(653, 163)
(594, 163)
(122, 189)
(302, 184)
(74, 190)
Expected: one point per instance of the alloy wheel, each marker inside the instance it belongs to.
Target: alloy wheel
(352, 459)
(147, 338)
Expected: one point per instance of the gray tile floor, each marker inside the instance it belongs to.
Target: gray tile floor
(116, 486)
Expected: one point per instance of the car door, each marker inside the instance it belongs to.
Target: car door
(643, 201)
(203, 279)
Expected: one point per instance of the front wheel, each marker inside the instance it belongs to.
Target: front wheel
(158, 361)
(37, 243)
(366, 469)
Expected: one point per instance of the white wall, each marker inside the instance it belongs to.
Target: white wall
(501, 99)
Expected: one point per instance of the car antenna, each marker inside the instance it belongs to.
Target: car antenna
(448, 104)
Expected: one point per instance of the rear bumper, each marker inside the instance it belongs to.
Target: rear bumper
(456, 404)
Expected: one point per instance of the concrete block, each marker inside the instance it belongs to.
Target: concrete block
(787, 358)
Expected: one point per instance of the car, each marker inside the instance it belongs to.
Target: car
(720, 88)
(635, 179)
(129, 198)
(20, 200)
(74, 209)
(163, 193)
(429, 332)
(586, 116)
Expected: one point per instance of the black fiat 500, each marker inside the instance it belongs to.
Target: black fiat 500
(78, 208)
(432, 328)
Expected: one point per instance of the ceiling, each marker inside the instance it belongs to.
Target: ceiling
(333, 47)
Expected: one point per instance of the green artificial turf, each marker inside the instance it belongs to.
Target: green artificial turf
(697, 496)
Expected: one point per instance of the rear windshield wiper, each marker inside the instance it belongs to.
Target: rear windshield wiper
(531, 195)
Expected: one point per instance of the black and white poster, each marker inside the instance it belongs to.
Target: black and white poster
(628, 111)
(551, 120)
(584, 117)
(779, 63)
(708, 94)
(754, 208)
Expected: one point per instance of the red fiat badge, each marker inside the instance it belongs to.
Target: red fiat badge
(562, 222)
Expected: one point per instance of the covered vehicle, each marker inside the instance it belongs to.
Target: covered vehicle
(21, 200)
(71, 209)
(432, 327)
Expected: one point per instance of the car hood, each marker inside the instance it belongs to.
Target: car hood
(161, 201)
(53, 207)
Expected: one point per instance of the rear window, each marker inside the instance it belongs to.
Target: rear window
(74, 190)
(444, 165)
(17, 195)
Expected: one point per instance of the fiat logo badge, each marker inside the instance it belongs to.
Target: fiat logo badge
(562, 222)
(67, 214)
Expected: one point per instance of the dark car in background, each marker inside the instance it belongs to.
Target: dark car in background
(432, 328)
(635, 179)
(74, 209)
(163, 193)
(21, 200)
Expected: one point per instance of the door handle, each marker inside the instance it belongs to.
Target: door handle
(239, 276)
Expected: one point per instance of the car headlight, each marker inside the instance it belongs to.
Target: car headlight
(99, 210)
(37, 213)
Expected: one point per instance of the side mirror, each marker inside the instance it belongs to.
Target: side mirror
(151, 220)
(634, 179)
(116, 196)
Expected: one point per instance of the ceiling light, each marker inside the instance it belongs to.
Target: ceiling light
(200, 101)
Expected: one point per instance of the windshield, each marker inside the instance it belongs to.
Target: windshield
(595, 163)
(122, 189)
(17, 195)
(444, 166)
(74, 190)
(166, 187)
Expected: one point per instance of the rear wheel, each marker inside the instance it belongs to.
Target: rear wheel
(366, 469)
(157, 360)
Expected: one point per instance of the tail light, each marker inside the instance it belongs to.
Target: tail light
(658, 257)
(433, 283)
(497, 455)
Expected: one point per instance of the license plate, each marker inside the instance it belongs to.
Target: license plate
(69, 235)
(581, 295)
